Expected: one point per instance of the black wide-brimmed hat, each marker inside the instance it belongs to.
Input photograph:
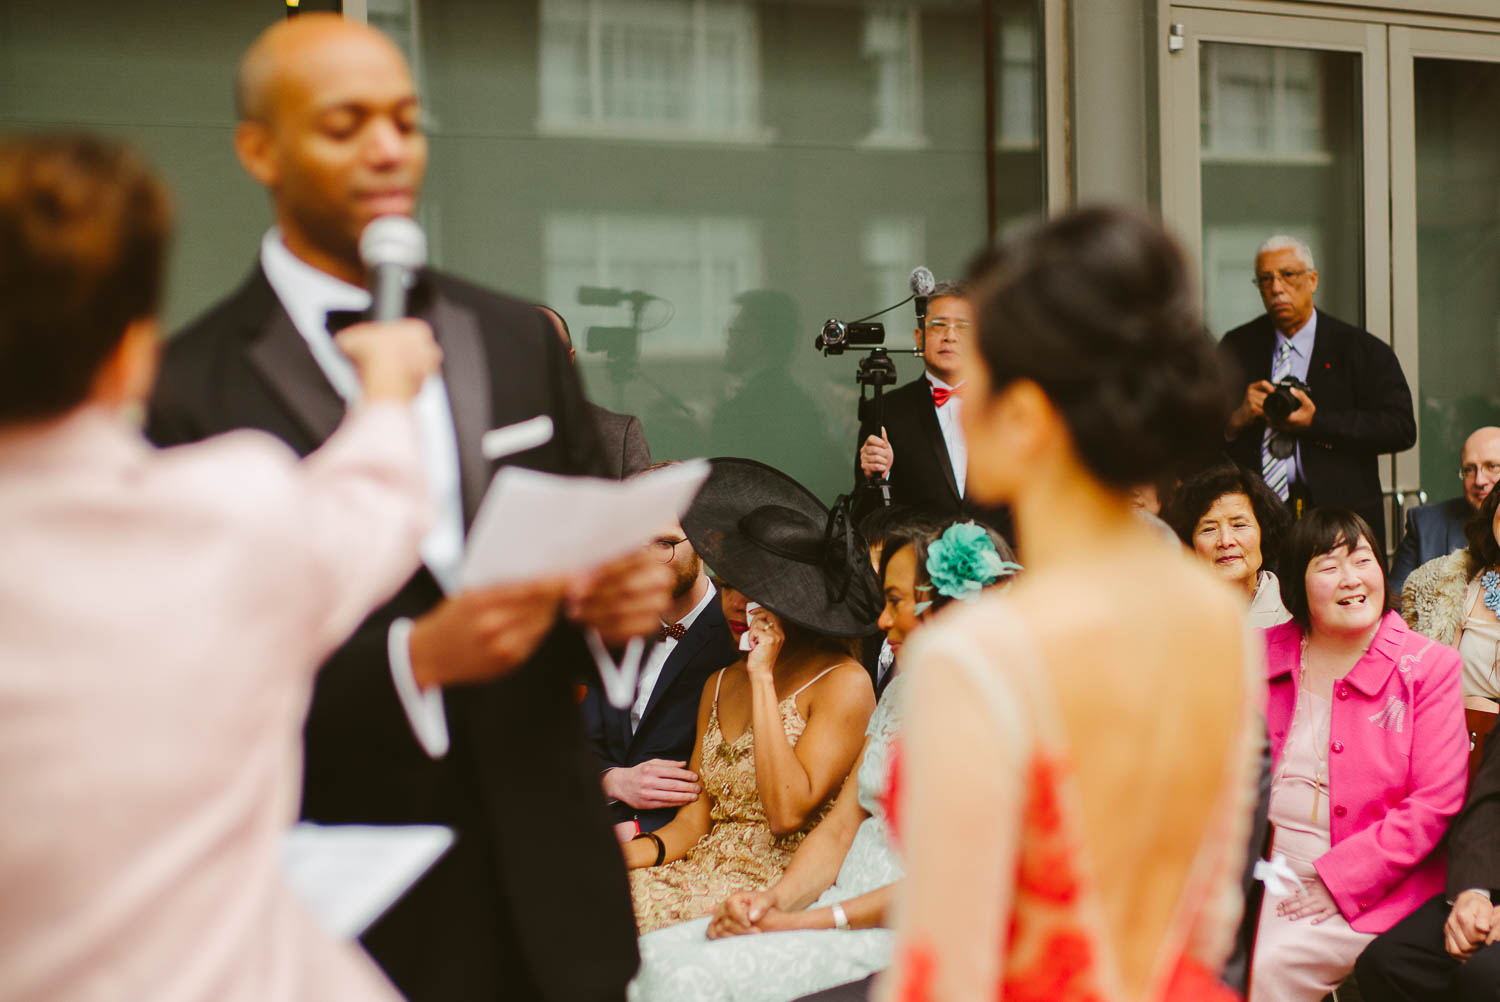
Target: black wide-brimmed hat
(769, 537)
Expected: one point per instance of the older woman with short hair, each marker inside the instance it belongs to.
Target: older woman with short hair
(1369, 758)
(1228, 516)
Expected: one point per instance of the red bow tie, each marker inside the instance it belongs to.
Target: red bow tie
(676, 632)
(940, 394)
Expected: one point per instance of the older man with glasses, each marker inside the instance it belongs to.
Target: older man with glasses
(643, 749)
(1437, 529)
(1322, 398)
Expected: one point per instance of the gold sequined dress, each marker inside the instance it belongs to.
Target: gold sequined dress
(739, 853)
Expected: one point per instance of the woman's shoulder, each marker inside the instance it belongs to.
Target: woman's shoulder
(1415, 654)
(841, 681)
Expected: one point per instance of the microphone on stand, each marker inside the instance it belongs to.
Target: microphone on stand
(921, 284)
(392, 249)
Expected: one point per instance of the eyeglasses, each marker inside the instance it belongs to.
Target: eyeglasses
(664, 548)
(1469, 471)
(1288, 276)
(944, 326)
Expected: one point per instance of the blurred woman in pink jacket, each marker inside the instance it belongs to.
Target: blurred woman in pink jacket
(162, 615)
(1369, 760)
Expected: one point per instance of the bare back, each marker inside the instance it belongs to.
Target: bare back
(1079, 775)
(1149, 684)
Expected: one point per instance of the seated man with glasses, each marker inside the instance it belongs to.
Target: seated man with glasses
(643, 750)
(1437, 529)
(1342, 399)
(921, 444)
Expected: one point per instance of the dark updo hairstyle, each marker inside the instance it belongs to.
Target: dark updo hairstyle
(1195, 495)
(83, 236)
(1096, 308)
(1479, 530)
(1321, 531)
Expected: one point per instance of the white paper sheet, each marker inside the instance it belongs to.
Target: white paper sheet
(535, 525)
(348, 875)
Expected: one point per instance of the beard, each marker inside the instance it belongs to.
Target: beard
(687, 576)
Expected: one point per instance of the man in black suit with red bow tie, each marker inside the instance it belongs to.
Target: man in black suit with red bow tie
(921, 446)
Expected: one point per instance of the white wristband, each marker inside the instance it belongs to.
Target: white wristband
(840, 917)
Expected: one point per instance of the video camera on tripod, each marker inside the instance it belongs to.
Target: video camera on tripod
(877, 369)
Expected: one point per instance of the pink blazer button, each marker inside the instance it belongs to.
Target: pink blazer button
(1340, 811)
(1343, 692)
(1338, 746)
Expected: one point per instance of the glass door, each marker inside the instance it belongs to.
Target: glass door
(1278, 125)
(1445, 197)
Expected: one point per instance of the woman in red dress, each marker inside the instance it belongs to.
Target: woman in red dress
(1075, 784)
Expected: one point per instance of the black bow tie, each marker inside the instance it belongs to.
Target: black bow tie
(337, 320)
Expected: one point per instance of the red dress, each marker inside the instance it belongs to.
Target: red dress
(1049, 943)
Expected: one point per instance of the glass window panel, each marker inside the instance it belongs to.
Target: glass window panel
(1458, 259)
(1281, 153)
(715, 154)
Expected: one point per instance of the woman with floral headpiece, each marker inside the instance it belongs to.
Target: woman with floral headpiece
(829, 909)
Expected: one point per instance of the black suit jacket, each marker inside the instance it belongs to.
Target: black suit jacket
(623, 442)
(1363, 410)
(670, 724)
(504, 908)
(921, 475)
(1474, 837)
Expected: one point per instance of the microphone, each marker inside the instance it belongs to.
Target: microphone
(392, 249)
(598, 295)
(921, 284)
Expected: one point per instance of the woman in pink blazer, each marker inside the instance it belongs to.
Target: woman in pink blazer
(1369, 758)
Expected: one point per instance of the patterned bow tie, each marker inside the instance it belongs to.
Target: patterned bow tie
(941, 395)
(674, 632)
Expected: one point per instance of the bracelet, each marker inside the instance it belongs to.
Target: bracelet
(661, 847)
(840, 917)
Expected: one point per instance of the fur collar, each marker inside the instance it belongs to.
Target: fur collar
(1432, 602)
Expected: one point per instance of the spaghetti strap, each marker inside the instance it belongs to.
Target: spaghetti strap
(819, 675)
(717, 683)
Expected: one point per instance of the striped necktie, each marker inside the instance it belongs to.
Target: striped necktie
(1278, 472)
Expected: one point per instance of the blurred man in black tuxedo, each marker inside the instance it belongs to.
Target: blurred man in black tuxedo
(1356, 405)
(921, 444)
(447, 706)
(643, 750)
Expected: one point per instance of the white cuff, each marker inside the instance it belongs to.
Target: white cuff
(424, 707)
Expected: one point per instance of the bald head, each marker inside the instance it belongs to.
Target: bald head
(1479, 464)
(277, 52)
(331, 127)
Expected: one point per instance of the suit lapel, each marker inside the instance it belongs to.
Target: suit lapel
(1324, 353)
(687, 648)
(466, 376)
(280, 355)
(928, 419)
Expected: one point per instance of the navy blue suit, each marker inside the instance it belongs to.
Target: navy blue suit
(670, 724)
(1432, 531)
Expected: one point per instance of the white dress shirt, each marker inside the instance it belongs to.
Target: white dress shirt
(308, 294)
(953, 433)
(651, 671)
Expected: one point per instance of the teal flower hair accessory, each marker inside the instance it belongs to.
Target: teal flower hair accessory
(963, 561)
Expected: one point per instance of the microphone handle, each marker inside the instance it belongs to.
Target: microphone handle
(389, 292)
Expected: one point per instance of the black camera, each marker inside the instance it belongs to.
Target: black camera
(1280, 403)
(837, 336)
